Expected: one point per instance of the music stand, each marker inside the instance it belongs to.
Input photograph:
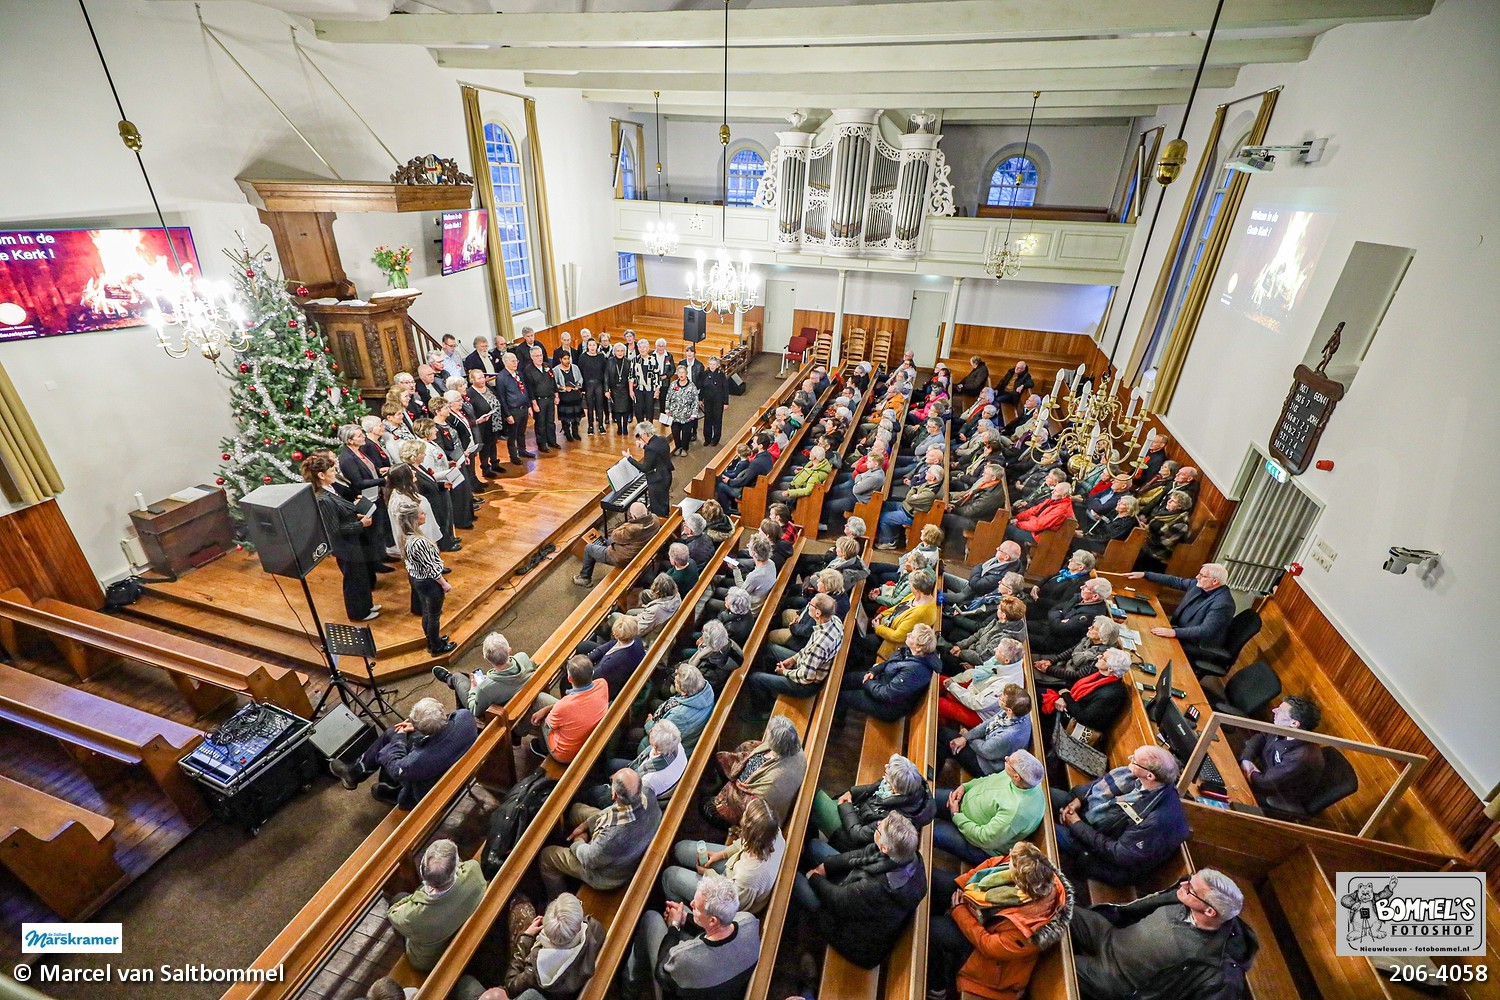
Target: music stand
(359, 640)
(337, 681)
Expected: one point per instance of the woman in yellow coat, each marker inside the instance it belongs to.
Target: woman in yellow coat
(894, 624)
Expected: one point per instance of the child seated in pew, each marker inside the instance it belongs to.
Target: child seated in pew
(849, 822)
(751, 859)
(982, 749)
(1002, 914)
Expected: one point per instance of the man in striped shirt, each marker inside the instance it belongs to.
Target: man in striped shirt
(802, 675)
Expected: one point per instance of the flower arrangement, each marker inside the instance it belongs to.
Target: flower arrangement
(396, 263)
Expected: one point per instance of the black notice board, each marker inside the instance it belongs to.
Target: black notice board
(1304, 415)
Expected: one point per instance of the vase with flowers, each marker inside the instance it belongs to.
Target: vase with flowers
(395, 262)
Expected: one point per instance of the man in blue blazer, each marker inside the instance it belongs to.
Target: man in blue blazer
(1207, 607)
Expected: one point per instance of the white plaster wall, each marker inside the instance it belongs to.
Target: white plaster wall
(1079, 164)
(1411, 162)
(124, 416)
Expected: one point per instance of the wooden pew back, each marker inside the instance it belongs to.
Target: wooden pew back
(756, 499)
(62, 852)
(702, 485)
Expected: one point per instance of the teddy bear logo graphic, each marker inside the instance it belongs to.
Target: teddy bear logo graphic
(1364, 921)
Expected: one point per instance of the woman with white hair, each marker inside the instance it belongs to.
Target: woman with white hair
(681, 405)
(849, 822)
(806, 479)
(1082, 659)
(413, 453)
(660, 763)
(688, 707)
(659, 603)
(1097, 699)
(972, 696)
(552, 957)
(770, 768)
(715, 656)
(751, 859)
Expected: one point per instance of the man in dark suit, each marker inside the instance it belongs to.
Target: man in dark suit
(515, 403)
(1156, 454)
(656, 463)
(713, 394)
(729, 488)
(543, 391)
(1012, 384)
(428, 385)
(522, 348)
(1207, 607)
(483, 358)
(978, 377)
(985, 578)
(1062, 585)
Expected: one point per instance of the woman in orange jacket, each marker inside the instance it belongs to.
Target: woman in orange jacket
(993, 955)
(1048, 515)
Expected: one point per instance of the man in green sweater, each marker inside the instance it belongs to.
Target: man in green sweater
(984, 817)
(449, 894)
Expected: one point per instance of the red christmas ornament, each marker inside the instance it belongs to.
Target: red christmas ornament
(249, 273)
(267, 441)
(310, 355)
(225, 456)
(334, 366)
(238, 547)
(296, 456)
(265, 479)
(244, 368)
(307, 410)
(254, 388)
(301, 289)
(219, 480)
(292, 323)
(265, 413)
(281, 440)
(327, 350)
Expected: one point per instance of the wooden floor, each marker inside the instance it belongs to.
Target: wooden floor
(551, 501)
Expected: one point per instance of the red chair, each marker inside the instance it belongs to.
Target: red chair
(796, 351)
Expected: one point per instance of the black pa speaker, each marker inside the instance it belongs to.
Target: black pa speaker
(737, 386)
(694, 324)
(283, 524)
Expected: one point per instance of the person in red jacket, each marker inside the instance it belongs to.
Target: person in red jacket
(1049, 515)
(990, 940)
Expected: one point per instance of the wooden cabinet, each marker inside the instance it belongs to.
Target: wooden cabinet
(185, 535)
(371, 341)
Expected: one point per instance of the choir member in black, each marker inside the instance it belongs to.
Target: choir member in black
(487, 417)
(463, 437)
(568, 378)
(440, 451)
(713, 394)
(617, 388)
(645, 382)
(525, 341)
(483, 358)
(543, 391)
(564, 346)
(591, 365)
(349, 536)
(656, 463)
(515, 403)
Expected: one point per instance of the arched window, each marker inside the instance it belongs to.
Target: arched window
(1014, 182)
(746, 168)
(625, 262)
(510, 216)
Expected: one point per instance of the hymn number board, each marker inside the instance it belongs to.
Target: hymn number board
(1304, 415)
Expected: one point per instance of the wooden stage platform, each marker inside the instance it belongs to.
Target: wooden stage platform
(551, 501)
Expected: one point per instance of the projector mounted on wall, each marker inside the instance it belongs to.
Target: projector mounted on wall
(1262, 159)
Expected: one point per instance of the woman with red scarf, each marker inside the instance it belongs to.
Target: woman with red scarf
(1097, 699)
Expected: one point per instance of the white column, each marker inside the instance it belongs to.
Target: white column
(838, 321)
(945, 346)
(739, 326)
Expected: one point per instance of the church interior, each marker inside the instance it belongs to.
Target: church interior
(977, 307)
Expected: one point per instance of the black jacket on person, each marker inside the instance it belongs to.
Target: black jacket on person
(472, 362)
(655, 461)
(1217, 974)
(425, 393)
(1127, 852)
(592, 367)
(701, 549)
(1023, 382)
(754, 469)
(346, 535)
(863, 812)
(1101, 707)
(617, 384)
(713, 388)
(867, 900)
(480, 410)
(539, 383)
(987, 576)
(416, 762)
(511, 391)
(1289, 768)
(1202, 616)
(356, 473)
(1105, 530)
(975, 380)
(739, 627)
(1067, 623)
(522, 351)
(1056, 589)
(376, 454)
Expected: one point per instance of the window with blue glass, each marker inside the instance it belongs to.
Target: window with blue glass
(510, 216)
(626, 261)
(1014, 182)
(746, 168)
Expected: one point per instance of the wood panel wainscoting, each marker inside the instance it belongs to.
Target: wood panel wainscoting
(1307, 651)
(43, 558)
(822, 319)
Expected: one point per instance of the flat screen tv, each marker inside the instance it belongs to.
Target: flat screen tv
(58, 281)
(465, 240)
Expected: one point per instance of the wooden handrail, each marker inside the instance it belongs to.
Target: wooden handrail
(702, 485)
(435, 342)
(756, 499)
(811, 506)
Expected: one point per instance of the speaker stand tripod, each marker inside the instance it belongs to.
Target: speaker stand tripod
(363, 698)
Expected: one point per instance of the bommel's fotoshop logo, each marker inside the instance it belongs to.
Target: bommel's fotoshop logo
(1410, 913)
(60, 938)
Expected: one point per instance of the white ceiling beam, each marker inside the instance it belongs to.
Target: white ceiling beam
(954, 20)
(779, 112)
(843, 98)
(935, 81)
(958, 56)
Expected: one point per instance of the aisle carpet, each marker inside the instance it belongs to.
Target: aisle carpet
(220, 897)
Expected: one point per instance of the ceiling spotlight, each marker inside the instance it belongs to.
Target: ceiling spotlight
(1262, 159)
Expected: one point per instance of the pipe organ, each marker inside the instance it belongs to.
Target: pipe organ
(854, 194)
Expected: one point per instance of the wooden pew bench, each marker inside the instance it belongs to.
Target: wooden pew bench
(62, 852)
(206, 676)
(91, 727)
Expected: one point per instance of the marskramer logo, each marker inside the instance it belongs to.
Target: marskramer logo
(1410, 913)
(61, 938)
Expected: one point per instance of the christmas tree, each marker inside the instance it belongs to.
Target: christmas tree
(288, 399)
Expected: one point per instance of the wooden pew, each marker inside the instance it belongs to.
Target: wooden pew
(307, 942)
(91, 726)
(810, 508)
(1051, 551)
(62, 852)
(1119, 555)
(206, 676)
(981, 543)
(629, 902)
(870, 509)
(702, 485)
(492, 908)
(756, 499)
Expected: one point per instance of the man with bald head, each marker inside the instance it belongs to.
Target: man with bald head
(605, 845)
(985, 578)
(1122, 827)
(621, 545)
